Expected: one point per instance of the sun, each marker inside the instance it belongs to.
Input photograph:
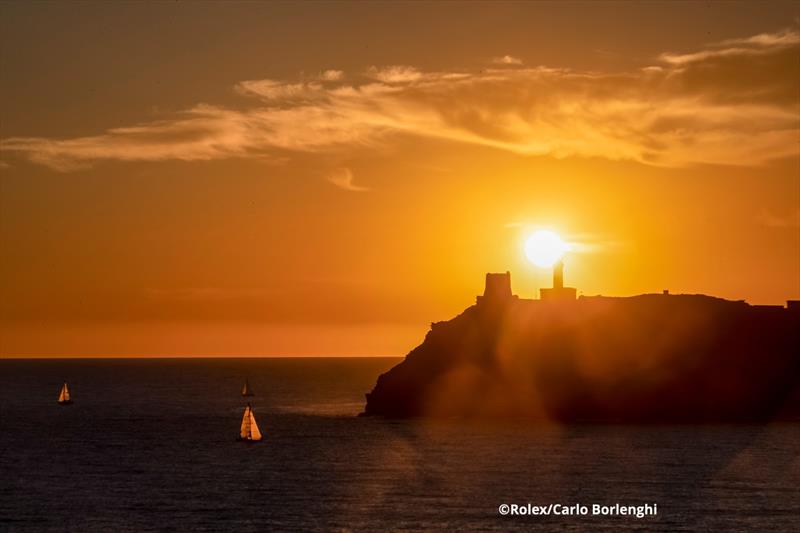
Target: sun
(544, 248)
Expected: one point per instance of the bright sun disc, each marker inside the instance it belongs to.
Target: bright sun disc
(544, 248)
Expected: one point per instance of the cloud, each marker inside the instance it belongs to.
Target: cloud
(280, 91)
(343, 178)
(506, 60)
(730, 103)
(784, 37)
(331, 75)
(394, 74)
(761, 44)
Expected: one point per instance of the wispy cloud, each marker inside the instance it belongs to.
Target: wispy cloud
(394, 74)
(331, 75)
(733, 102)
(506, 60)
(343, 178)
(761, 44)
(785, 38)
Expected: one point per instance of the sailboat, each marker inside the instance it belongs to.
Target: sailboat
(64, 397)
(246, 390)
(249, 431)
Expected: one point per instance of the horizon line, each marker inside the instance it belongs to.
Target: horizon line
(149, 356)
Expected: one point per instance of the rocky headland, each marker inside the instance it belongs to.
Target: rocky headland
(653, 358)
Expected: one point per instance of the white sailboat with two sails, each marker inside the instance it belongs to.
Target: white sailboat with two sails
(249, 431)
(64, 398)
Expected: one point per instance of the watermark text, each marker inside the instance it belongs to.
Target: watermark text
(577, 509)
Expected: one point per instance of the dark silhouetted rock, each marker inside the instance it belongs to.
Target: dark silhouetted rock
(647, 358)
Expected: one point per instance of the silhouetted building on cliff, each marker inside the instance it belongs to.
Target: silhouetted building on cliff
(650, 358)
(558, 291)
(497, 289)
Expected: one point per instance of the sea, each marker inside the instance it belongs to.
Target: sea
(150, 445)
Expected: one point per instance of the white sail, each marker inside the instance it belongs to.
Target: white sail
(249, 429)
(244, 432)
(255, 433)
(64, 396)
(246, 390)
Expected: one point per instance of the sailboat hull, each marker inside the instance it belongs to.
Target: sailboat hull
(249, 441)
(65, 402)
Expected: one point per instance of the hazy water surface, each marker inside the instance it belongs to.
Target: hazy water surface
(149, 444)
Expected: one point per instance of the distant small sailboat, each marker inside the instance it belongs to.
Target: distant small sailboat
(249, 431)
(64, 398)
(246, 390)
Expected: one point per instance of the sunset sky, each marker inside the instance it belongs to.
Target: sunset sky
(186, 178)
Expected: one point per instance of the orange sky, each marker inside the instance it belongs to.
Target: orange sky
(327, 179)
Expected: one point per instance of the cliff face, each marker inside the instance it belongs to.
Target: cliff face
(649, 358)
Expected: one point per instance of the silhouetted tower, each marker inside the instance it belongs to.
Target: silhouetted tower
(558, 275)
(497, 289)
(558, 292)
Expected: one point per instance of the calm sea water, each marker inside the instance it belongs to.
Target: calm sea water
(149, 444)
